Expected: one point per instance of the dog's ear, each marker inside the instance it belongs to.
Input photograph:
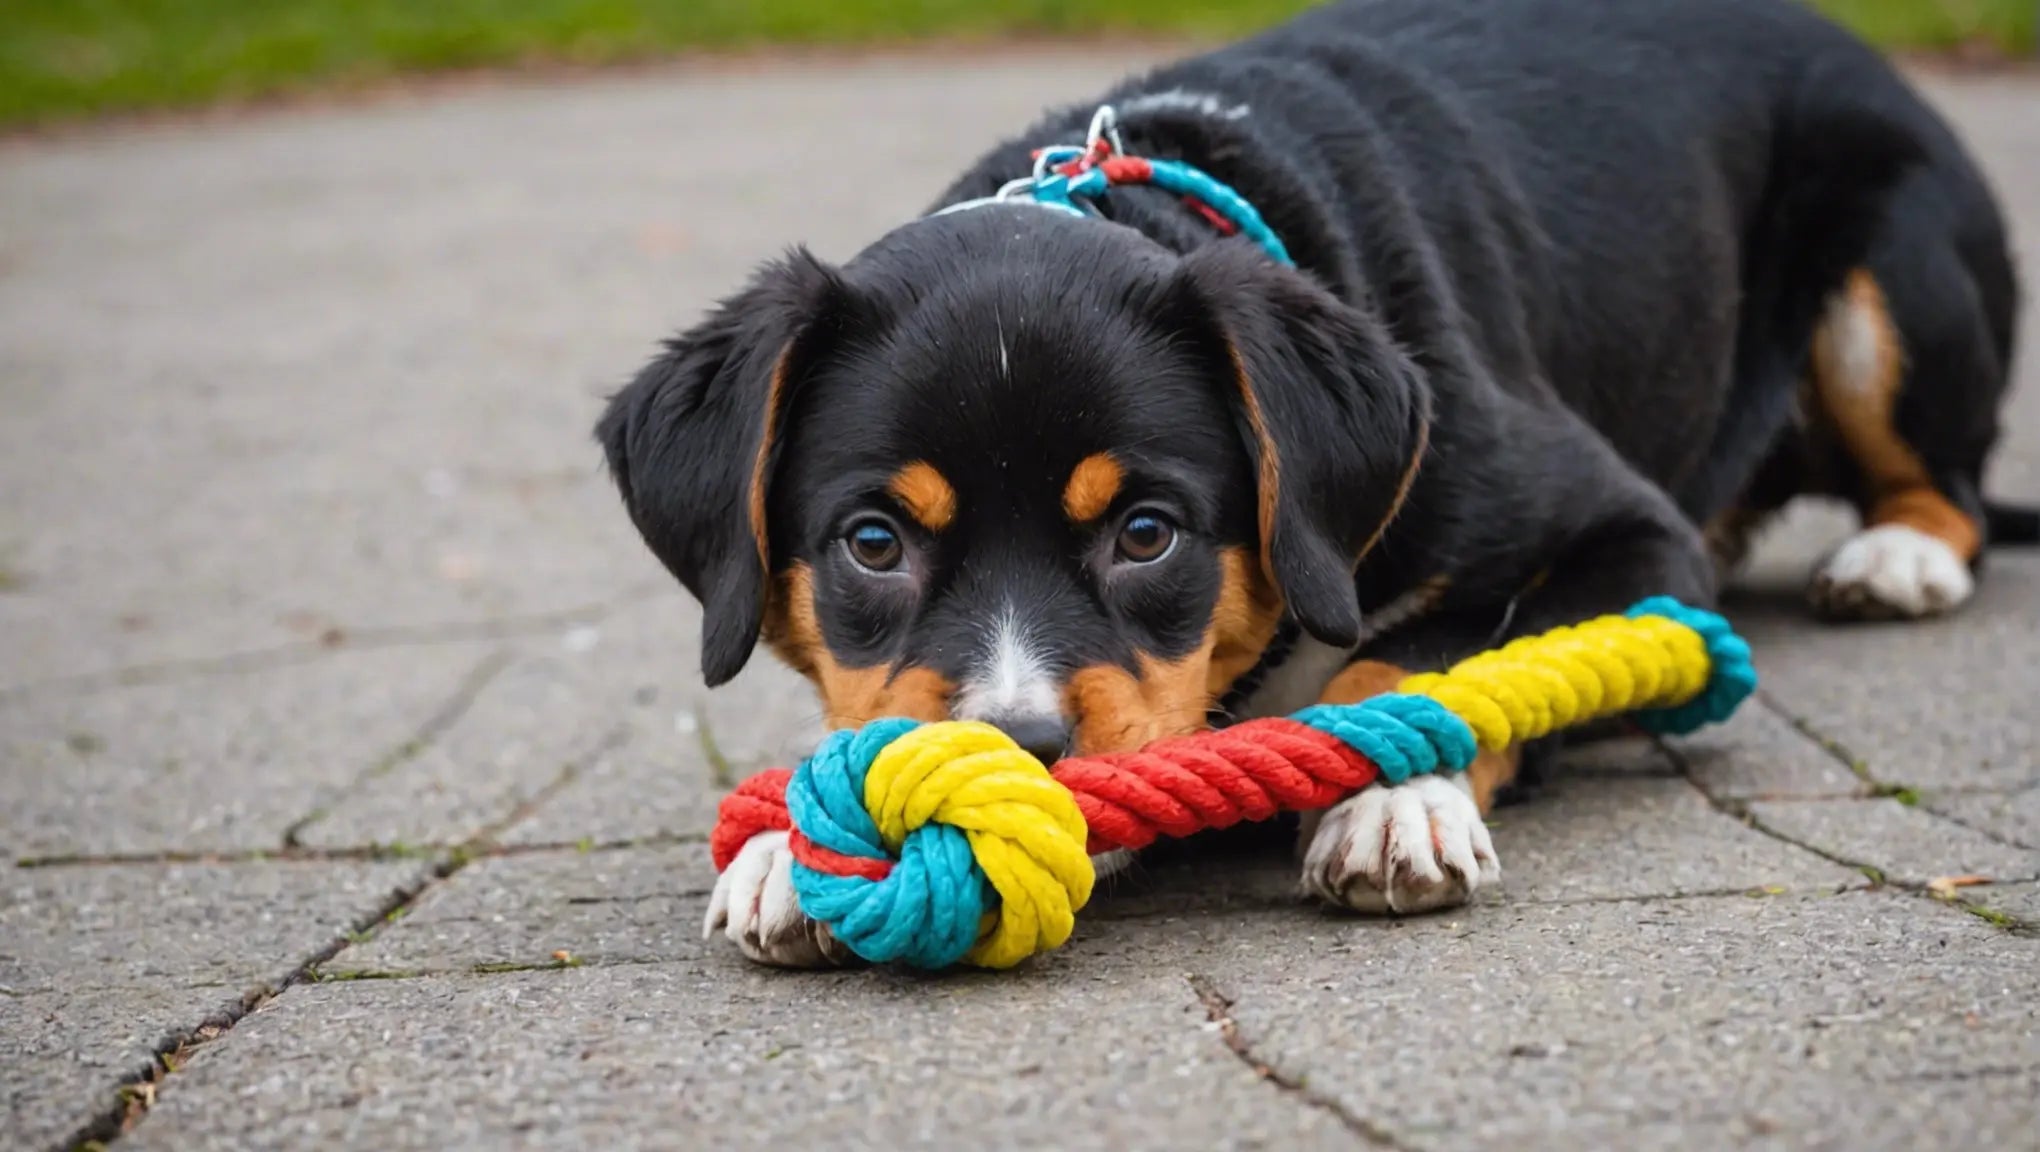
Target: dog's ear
(693, 440)
(1333, 413)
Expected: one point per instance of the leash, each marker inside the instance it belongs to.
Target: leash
(1072, 178)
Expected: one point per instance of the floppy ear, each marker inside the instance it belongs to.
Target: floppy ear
(692, 443)
(1335, 417)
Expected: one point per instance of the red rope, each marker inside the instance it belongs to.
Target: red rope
(1173, 787)
(758, 805)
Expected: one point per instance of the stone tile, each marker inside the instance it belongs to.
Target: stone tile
(595, 734)
(532, 724)
(1874, 1020)
(1757, 753)
(1613, 838)
(1907, 844)
(102, 965)
(718, 1055)
(1928, 704)
(599, 907)
(215, 763)
(689, 748)
(227, 926)
(2013, 817)
(64, 1054)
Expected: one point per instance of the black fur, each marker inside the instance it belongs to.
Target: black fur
(1580, 244)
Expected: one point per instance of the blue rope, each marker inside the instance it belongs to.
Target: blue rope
(927, 909)
(1731, 676)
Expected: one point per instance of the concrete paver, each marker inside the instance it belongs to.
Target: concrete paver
(726, 1056)
(1860, 1020)
(1930, 704)
(218, 763)
(67, 1054)
(2013, 818)
(1602, 839)
(102, 965)
(1907, 844)
(312, 555)
(596, 907)
(1758, 753)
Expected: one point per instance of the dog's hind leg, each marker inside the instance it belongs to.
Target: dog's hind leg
(1906, 378)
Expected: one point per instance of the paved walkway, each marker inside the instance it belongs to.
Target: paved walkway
(354, 767)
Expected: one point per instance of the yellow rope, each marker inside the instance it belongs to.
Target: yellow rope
(1539, 684)
(1023, 827)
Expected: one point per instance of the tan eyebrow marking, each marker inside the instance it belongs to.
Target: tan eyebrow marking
(1091, 488)
(927, 496)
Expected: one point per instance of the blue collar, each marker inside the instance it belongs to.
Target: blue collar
(1070, 178)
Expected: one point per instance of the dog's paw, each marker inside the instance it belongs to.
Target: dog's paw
(1411, 847)
(755, 906)
(1890, 571)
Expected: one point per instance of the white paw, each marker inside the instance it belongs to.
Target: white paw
(755, 906)
(1409, 847)
(1891, 570)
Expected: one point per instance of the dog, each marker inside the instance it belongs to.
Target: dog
(1563, 298)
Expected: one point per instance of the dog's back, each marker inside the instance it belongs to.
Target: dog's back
(1580, 170)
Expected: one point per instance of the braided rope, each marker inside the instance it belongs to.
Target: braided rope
(934, 843)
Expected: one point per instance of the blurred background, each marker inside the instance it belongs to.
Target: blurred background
(63, 59)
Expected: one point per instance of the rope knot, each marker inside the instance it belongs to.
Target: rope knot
(933, 843)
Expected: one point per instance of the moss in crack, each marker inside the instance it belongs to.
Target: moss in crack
(720, 772)
(1910, 797)
(559, 961)
(346, 975)
(395, 757)
(1839, 751)
(1994, 917)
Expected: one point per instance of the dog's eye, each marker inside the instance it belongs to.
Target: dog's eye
(1146, 537)
(874, 545)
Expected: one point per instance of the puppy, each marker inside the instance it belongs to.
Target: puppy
(1582, 290)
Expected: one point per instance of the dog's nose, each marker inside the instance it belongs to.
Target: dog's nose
(1045, 737)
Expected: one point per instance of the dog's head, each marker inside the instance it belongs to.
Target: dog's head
(1014, 466)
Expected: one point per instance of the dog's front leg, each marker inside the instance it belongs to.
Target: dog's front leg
(1411, 847)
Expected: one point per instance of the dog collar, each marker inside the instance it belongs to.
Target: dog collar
(1070, 178)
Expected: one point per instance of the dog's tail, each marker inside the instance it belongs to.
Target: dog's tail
(2011, 524)
(1839, 153)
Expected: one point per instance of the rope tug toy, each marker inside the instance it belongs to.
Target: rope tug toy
(938, 843)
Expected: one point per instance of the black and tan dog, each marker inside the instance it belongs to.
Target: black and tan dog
(1583, 289)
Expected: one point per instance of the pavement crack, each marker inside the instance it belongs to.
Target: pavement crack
(720, 772)
(470, 689)
(354, 854)
(1835, 749)
(1218, 1010)
(616, 737)
(371, 853)
(1878, 876)
(559, 962)
(1962, 822)
(135, 1096)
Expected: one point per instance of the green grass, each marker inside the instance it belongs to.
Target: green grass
(67, 58)
(2003, 25)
